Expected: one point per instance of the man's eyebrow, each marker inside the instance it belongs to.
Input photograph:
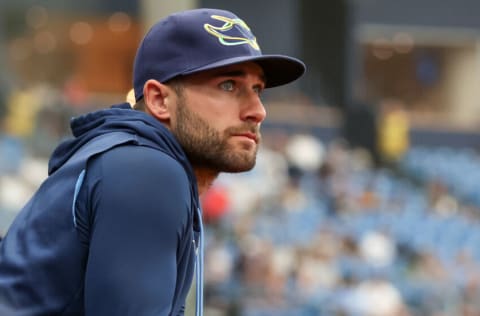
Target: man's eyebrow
(236, 73)
(231, 73)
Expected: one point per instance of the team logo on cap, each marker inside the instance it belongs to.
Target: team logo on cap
(232, 32)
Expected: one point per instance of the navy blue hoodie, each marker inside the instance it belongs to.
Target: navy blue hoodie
(112, 230)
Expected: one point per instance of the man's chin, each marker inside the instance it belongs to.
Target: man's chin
(239, 167)
(228, 161)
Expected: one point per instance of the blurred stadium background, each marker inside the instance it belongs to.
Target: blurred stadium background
(364, 200)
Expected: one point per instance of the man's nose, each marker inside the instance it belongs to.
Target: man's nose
(254, 109)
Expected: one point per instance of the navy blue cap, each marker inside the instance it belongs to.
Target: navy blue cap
(196, 40)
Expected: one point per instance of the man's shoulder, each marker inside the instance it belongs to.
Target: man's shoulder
(133, 171)
(140, 157)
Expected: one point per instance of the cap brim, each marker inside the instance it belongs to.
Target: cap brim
(278, 69)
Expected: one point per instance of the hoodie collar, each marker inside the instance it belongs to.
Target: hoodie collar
(123, 118)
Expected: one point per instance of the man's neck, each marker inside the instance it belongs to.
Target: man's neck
(205, 178)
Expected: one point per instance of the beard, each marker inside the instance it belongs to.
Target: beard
(207, 147)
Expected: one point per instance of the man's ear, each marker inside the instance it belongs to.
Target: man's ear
(155, 95)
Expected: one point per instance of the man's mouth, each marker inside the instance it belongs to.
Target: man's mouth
(249, 135)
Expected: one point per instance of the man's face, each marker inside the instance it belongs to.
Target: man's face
(218, 115)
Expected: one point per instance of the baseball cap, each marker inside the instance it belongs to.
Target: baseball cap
(195, 40)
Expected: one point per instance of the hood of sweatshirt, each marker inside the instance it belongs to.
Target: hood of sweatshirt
(122, 118)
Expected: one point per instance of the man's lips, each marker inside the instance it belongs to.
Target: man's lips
(249, 135)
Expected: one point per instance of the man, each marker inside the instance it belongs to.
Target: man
(116, 227)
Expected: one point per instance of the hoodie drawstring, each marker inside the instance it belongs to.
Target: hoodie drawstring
(199, 270)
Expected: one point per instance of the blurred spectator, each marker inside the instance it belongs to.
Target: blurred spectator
(18, 124)
(377, 249)
(22, 108)
(3, 98)
(394, 129)
(375, 297)
(215, 203)
(304, 152)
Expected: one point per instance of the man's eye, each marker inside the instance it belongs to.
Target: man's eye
(228, 85)
(258, 90)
